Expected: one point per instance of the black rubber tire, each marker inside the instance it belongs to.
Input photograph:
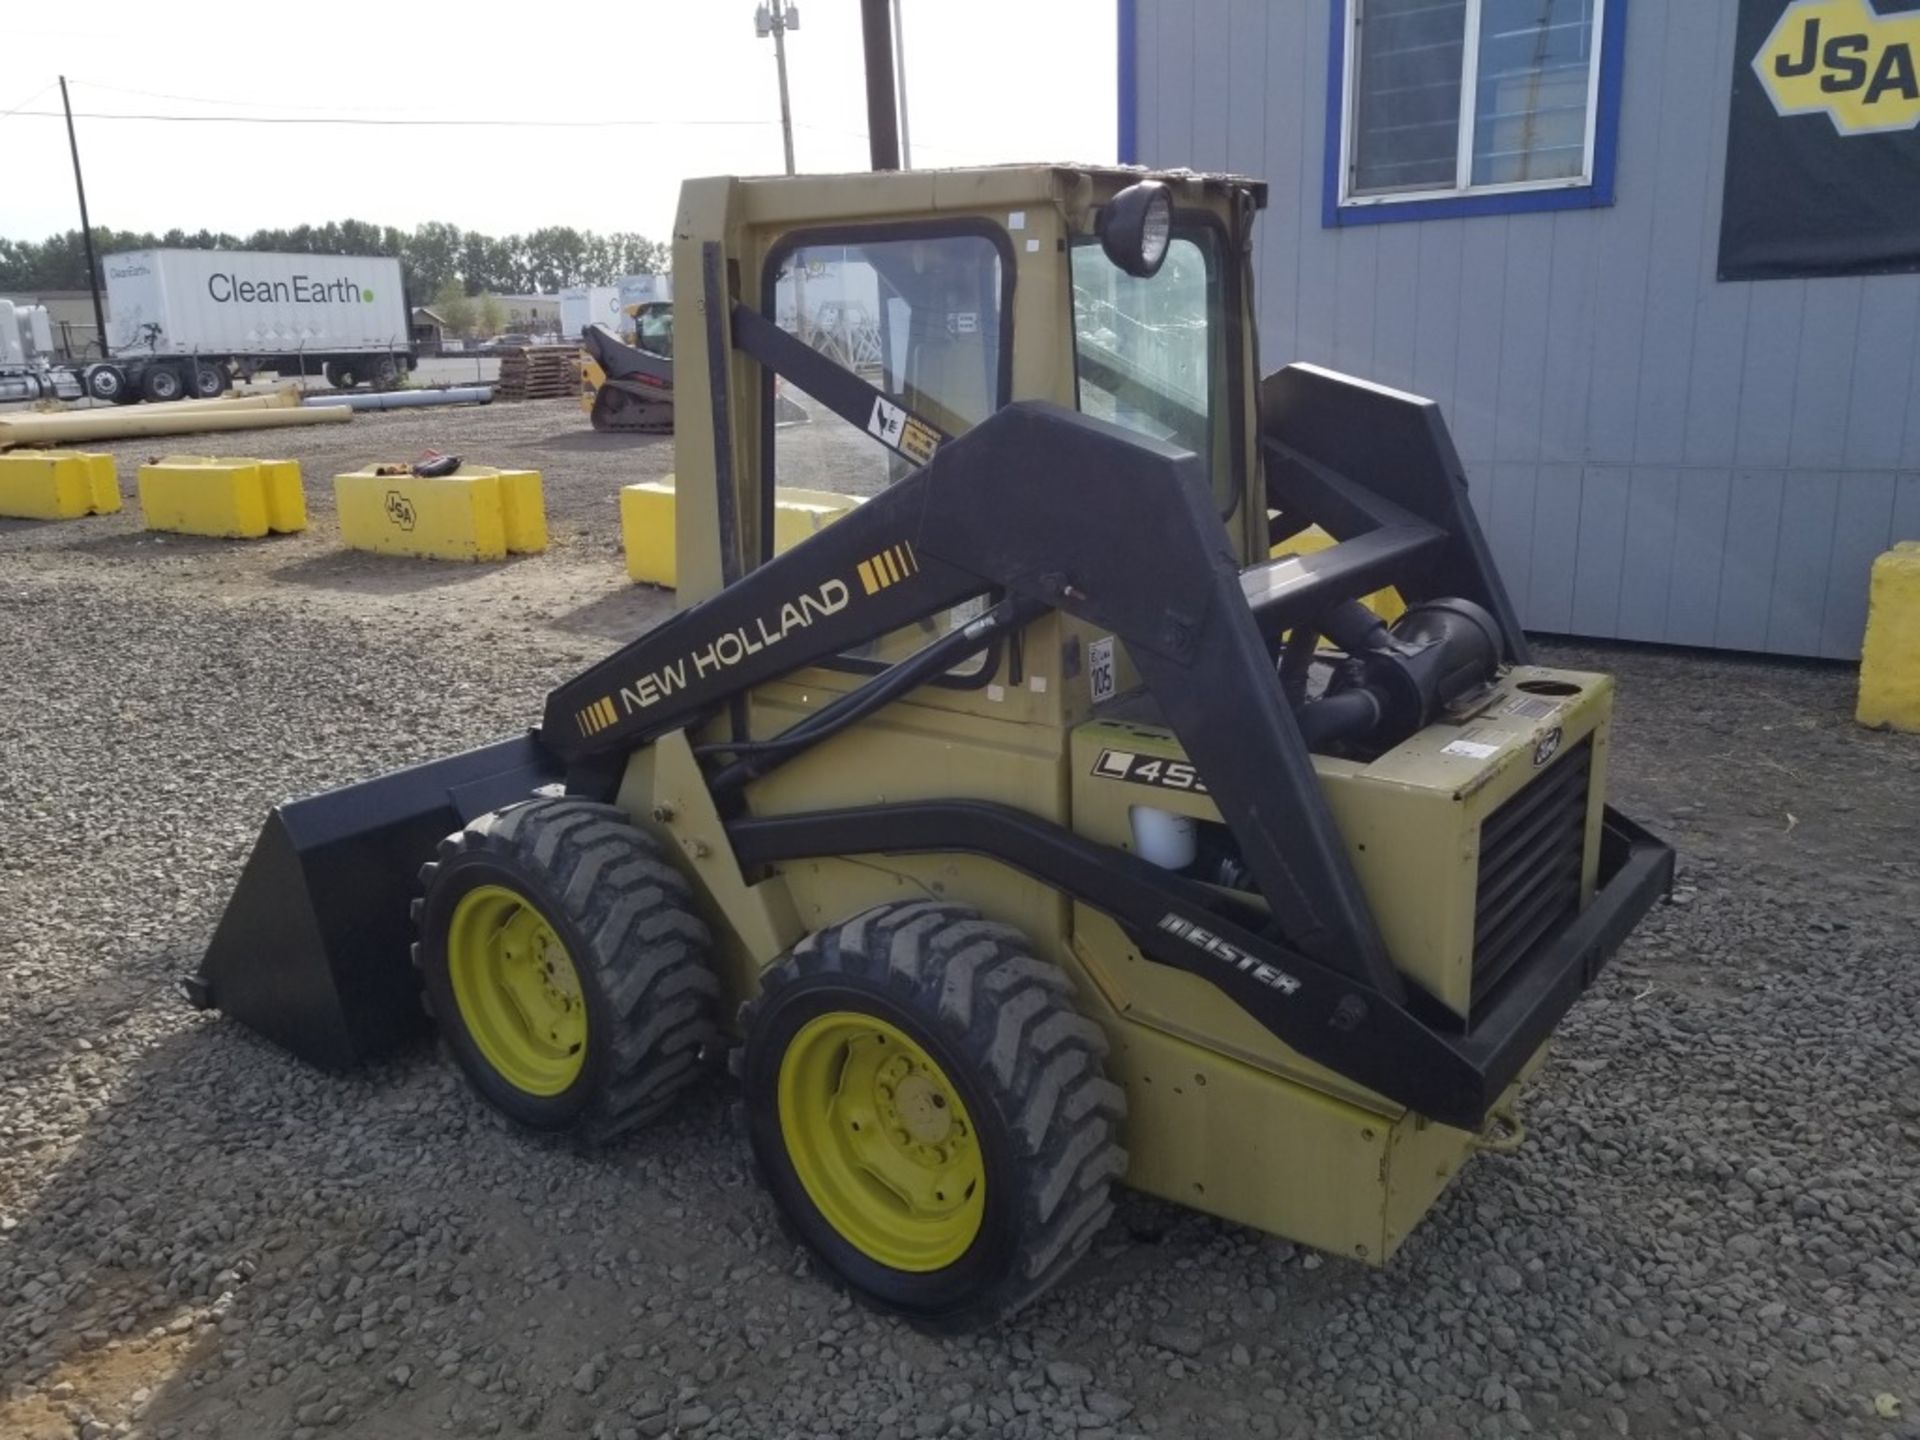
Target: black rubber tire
(339, 376)
(386, 373)
(108, 383)
(641, 952)
(163, 383)
(209, 381)
(1027, 1064)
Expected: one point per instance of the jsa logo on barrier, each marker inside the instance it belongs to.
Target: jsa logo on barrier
(1844, 59)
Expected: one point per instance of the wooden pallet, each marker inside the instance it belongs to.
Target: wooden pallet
(539, 372)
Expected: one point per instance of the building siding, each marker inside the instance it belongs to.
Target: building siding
(1654, 455)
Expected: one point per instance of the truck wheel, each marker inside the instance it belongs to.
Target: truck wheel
(162, 383)
(107, 382)
(386, 373)
(569, 973)
(339, 376)
(930, 1112)
(209, 381)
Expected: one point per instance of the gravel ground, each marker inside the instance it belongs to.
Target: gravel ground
(1713, 1228)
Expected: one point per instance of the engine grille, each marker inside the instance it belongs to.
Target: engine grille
(1531, 850)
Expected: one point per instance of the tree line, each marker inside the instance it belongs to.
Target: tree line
(437, 258)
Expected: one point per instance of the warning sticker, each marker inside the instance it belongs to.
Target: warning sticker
(894, 428)
(918, 440)
(886, 423)
(1531, 707)
(1471, 749)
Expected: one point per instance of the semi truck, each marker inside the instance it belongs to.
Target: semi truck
(191, 322)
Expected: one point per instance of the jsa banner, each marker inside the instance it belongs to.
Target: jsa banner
(1823, 141)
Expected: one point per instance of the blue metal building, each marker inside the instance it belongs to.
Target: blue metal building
(1513, 206)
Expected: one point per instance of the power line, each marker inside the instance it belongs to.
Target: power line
(370, 121)
(231, 101)
(22, 106)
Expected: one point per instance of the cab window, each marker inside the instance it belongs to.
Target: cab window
(922, 317)
(916, 317)
(1151, 354)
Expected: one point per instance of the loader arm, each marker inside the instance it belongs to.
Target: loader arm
(1016, 506)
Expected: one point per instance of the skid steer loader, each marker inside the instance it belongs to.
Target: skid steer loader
(630, 387)
(1030, 830)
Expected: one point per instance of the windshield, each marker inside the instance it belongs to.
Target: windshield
(1149, 353)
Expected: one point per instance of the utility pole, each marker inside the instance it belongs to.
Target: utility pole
(775, 18)
(86, 226)
(883, 115)
(900, 82)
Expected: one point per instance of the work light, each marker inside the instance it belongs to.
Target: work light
(1136, 226)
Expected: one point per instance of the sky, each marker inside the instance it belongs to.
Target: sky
(987, 80)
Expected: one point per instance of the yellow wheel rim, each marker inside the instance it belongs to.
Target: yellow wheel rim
(518, 993)
(880, 1140)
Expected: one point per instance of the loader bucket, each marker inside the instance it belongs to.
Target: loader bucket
(314, 949)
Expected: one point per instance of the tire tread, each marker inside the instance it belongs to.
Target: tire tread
(647, 947)
(1012, 1017)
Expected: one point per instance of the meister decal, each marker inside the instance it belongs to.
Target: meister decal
(1844, 59)
(1148, 770)
(1222, 950)
(734, 646)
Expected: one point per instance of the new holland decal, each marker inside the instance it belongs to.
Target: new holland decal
(889, 567)
(1844, 59)
(597, 716)
(729, 648)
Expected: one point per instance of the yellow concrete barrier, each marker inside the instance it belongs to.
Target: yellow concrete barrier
(646, 532)
(1890, 655)
(646, 524)
(57, 485)
(229, 496)
(477, 513)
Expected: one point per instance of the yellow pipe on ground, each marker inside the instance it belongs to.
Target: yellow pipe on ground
(180, 418)
(267, 400)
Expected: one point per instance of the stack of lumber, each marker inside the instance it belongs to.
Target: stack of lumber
(539, 372)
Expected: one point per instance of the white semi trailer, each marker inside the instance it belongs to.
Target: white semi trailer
(189, 322)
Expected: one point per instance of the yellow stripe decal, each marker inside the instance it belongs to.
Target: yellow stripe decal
(912, 558)
(900, 554)
(867, 578)
(885, 562)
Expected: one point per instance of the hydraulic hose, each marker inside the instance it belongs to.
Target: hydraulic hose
(757, 757)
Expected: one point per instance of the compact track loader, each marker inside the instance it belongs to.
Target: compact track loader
(1030, 830)
(630, 387)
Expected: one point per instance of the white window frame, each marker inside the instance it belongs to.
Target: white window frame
(1463, 185)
